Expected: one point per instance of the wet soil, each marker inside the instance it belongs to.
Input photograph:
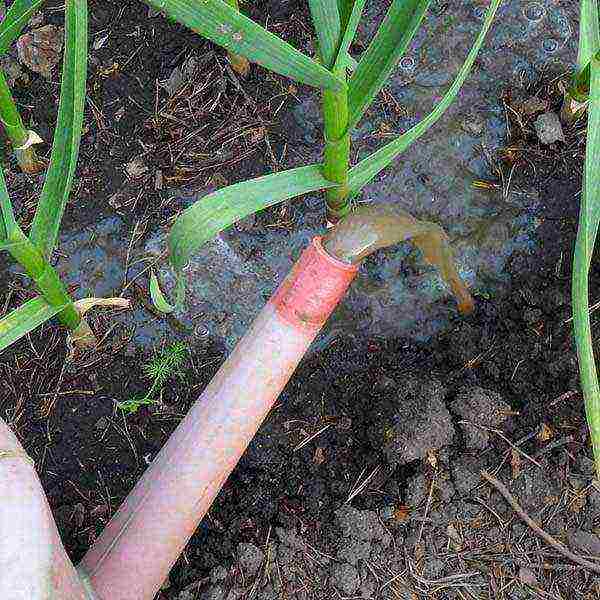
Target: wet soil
(364, 481)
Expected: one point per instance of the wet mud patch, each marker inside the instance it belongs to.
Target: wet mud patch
(173, 124)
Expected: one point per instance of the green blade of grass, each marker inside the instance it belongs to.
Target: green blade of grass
(221, 209)
(589, 45)
(349, 34)
(44, 275)
(589, 217)
(326, 19)
(34, 263)
(222, 24)
(65, 149)
(589, 32)
(16, 18)
(239, 63)
(8, 222)
(24, 319)
(10, 117)
(388, 46)
(362, 173)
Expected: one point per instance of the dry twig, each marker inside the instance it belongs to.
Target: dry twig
(558, 546)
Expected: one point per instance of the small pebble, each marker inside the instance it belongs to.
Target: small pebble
(136, 168)
(549, 129)
(473, 124)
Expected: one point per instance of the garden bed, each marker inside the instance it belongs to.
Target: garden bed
(364, 480)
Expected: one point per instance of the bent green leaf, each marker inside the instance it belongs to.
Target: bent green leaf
(36, 266)
(388, 46)
(65, 150)
(589, 45)
(8, 221)
(25, 319)
(362, 173)
(350, 31)
(158, 298)
(589, 32)
(345, 9)
(223, 25)
(15, 20)
(221, 209)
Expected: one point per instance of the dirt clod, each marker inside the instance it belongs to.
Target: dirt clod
(479, 409)
(584, 541)
(415, 422)
(345, 578)
(250, 558)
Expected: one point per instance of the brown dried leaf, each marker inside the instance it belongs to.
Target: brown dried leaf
(85, 304)
(41, 49)
(545, 433)
(419, 552)
(82, 335)
(402, 513)
(456, 541)
(578, 503)
(432, 458)
(319, 457)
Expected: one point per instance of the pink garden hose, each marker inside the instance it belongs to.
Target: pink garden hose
(33, 562)
(137, 549)
(134, 554)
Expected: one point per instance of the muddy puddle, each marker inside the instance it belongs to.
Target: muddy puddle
(396, 293)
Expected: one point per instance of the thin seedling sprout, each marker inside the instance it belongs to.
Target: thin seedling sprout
(348, 87)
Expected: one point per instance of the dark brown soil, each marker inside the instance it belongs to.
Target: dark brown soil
(225, 129)
(516, 349)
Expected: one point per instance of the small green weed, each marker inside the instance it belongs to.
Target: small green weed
(163, 366)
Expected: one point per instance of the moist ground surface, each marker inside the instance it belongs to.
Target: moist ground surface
(365, 479)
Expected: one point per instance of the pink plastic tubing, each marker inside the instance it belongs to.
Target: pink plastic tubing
(136, 551)
(33, 562)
